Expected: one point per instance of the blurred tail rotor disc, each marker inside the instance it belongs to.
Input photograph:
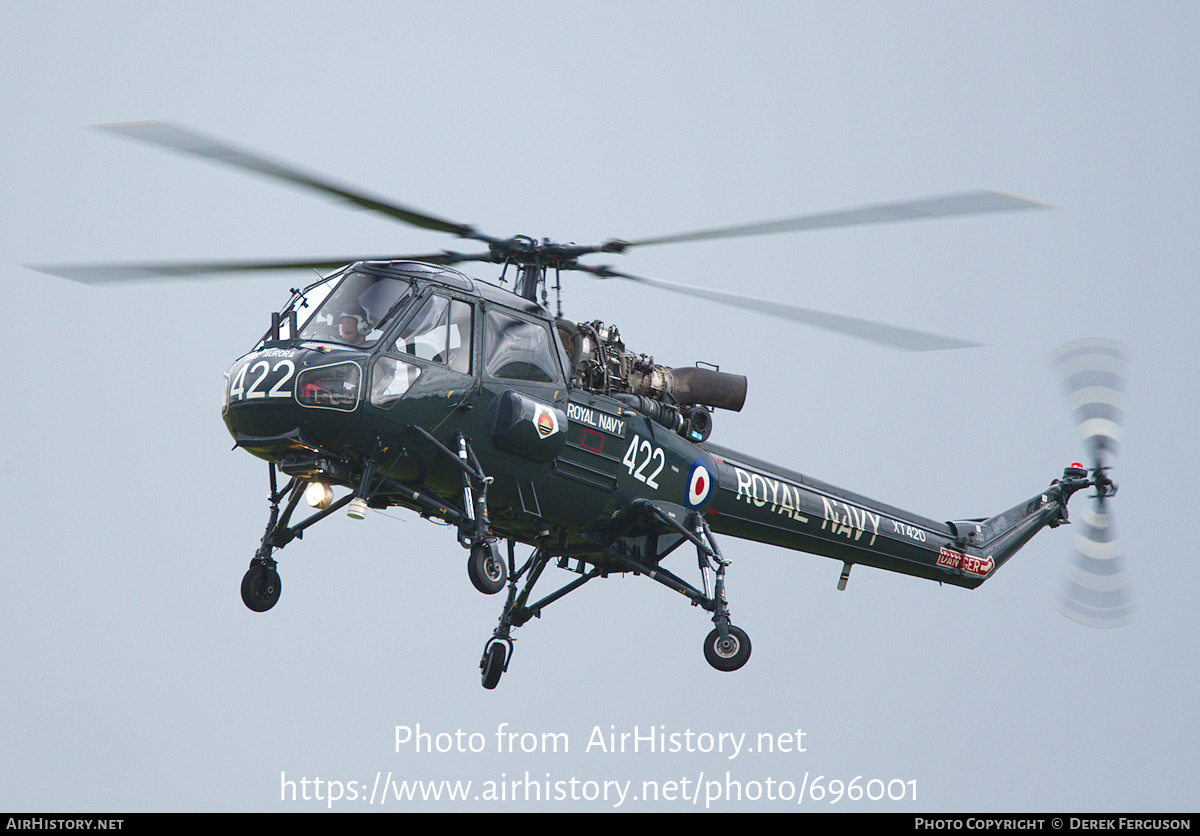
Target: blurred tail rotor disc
(1097, 591)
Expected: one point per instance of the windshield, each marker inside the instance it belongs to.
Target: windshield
(359, 310)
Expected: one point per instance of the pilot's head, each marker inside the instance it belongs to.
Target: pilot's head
(352, 325)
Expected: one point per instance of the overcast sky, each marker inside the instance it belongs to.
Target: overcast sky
(135, 679)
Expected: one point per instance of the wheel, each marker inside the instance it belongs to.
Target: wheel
(486, 569)
(727, 654)
(260, 587)
(492, 665)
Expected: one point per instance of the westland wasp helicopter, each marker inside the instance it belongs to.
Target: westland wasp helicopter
(411, 384)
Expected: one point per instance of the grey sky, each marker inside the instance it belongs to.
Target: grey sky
(137, 680)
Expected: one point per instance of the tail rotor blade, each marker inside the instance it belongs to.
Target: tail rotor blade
(1092, 372)
(1096, 593)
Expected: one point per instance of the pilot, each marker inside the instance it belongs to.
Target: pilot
(353, 326)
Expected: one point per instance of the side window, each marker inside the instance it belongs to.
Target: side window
(391, 379)
(518, 349)
(441, 332)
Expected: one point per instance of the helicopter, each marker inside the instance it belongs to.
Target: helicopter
(408, 383)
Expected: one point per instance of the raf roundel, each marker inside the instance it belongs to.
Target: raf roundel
(699, 485)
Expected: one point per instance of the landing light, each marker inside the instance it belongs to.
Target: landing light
(318, 495)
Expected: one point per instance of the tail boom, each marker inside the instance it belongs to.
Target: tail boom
(759, 501)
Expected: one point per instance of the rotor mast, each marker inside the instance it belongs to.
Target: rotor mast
(529, 279)
(533, 259)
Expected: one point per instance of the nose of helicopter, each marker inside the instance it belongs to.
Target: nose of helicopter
(276, 393)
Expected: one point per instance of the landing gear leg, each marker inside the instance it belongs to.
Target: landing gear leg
(260, 584)
(726, 648)
(497, 652)
(485, 566)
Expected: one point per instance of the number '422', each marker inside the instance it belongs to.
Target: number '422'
(259, 379)
(644, 461)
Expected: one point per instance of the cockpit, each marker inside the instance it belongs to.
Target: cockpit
(448, 326)
(358, 311)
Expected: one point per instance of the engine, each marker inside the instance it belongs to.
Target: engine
(680, 399)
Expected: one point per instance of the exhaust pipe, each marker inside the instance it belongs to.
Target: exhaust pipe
(694, 385)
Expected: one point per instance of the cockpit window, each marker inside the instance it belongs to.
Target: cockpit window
(439, 331)
(359, 310)
(518, 349)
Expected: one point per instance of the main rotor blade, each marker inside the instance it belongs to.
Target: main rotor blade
(969, 203)
(99, 274)
(1096, 592)
(189, 142)
(1092, 372)
(893, 336)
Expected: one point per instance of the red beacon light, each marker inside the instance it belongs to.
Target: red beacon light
(1076, 469)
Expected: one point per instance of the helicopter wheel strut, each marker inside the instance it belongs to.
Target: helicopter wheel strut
(486, 569)
(729, 653)
(261, 585)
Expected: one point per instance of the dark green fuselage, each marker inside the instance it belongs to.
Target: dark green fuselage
(567, 464)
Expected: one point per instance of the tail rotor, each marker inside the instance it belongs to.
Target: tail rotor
(1097, 592)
